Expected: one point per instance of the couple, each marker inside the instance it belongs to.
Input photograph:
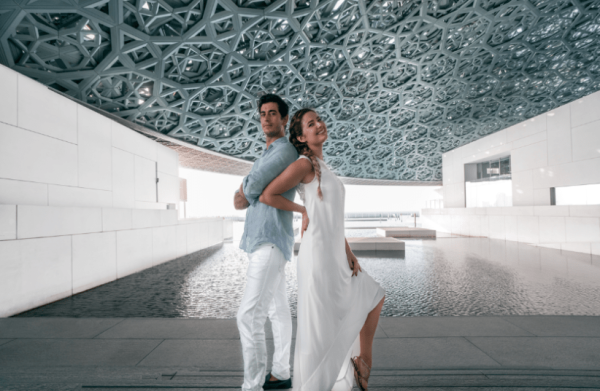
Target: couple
(338, 303)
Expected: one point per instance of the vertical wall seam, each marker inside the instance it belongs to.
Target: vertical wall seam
(77, 141)
(547, 155)
(72, 288)
(156, 179)
(17, 100)
(571, 132)
(116, 260)
(112, 180)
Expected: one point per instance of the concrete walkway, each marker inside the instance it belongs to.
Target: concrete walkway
(426, 353)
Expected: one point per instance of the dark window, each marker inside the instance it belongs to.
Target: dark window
(496, 169)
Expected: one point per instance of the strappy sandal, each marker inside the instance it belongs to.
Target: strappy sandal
(358, 376)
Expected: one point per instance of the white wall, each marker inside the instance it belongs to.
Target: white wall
(558, 148)
(373, 199)
(488, 193)
(55, 152)
(210, 194)
(79, 202)
(51, 252)
(570, 228)
(555, 149)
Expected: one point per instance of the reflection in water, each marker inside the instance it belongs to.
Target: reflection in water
(443, 277)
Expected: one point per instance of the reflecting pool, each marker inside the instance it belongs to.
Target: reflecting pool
(443, 277)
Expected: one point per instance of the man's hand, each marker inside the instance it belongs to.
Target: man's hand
(239, 200)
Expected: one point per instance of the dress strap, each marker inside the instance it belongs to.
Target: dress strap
(304, 157)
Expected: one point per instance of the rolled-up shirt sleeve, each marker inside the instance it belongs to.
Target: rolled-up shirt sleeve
(260, 177)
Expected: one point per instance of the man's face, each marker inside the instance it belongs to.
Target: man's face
(271, 121)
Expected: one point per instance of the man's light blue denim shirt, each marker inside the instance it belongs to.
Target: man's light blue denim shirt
(265, 224)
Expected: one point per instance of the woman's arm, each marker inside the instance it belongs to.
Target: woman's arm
(239, 199)
(260, 176)
(288, 179)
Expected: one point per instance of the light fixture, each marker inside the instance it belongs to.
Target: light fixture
(338, 5)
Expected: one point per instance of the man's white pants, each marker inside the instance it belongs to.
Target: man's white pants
(265, 295)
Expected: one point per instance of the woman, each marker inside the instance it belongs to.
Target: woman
(338, 303)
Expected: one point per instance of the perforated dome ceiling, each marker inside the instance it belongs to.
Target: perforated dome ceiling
(398, 82)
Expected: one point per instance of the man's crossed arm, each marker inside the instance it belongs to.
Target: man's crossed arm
(260, 176)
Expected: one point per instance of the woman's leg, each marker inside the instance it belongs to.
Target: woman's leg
(368, 333)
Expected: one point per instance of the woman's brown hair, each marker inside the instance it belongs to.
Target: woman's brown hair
(302, 148)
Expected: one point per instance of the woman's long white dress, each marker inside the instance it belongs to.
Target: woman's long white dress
(332, 305)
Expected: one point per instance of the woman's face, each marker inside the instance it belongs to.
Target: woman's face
(314, 130)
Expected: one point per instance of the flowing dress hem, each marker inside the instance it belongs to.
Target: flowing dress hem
(378, 296)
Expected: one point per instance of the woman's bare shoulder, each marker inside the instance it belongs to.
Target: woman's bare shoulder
(305, 167)
(302, 164)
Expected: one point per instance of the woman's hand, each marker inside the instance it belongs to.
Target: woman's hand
(305, 221)
(239, 200)
(353, 263)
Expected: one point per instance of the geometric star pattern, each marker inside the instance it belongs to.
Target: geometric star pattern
(398, 82)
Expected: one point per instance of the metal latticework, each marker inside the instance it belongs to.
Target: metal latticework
(398, 81)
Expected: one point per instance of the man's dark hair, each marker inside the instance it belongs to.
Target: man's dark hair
(272, 98)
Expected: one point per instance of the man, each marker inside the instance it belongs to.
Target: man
(268, 239)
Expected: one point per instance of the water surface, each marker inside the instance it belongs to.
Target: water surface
(443, 277)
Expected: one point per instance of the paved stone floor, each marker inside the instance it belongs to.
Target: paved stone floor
(418, 353)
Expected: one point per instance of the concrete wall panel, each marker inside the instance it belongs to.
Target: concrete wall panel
(511, 227)
(45, 271)
(541, 197)
(529, 157)
(46, 112)
(94, 260)
(529, 140)
(29, 156)
(194, 238)
(41, 270)
(77, 196)
(168, 217)
(526, 128)
(559, 136)
(43, 221)
(182, 240)
(134, 251)
(586, 141)
(48, 139)
(585, 110)
(123, 179)
(8, 222)
(584, 210)
(145, 180)
(168, 160)
(150, 205)
(23, 193)
(114, 219)
(11, 278)
(528, 229)
(164, 244)
(8, 98)
(168, 188)
(570, 228)
(146, 218)
(552, 229)
(582, 229)
(128, 140)
(522, 188)
(95, 150)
